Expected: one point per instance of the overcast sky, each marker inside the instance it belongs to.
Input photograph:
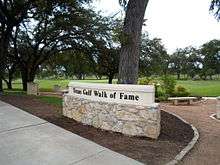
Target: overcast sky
(179, 23)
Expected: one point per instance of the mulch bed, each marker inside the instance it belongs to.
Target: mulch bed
(175, 134)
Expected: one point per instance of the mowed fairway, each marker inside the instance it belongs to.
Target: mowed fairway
(196, 88)
(202, 88)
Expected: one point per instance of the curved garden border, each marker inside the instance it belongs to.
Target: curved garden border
(213, 117)
(190, 145)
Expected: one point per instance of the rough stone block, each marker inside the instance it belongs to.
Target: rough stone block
(132, 120)
(32, 88)
(56, 88)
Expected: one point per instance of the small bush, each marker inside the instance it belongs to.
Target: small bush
(161, 95)
(162, 98)
(145, 81)
(180, 91)
(168, 85)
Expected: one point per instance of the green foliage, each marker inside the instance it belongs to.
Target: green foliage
(181, 91)
(146, 81)
(154, 58)
(159, 92)
(168, 85)
(161, 95)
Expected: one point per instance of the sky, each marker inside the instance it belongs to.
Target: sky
(179, 23)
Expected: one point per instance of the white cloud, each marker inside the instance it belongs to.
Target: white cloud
(179, 23)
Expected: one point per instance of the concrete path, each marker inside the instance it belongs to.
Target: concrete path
(29, 140)
(207, 150)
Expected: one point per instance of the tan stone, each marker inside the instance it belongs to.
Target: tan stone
(127, 116)
(106, 126)
(69, 114)
(96, 122)
(128, 119)
(82, 109)
(152, 131)
(32, 88)
(144, 114)
(129, 129)
(118, 127)
(132, 110)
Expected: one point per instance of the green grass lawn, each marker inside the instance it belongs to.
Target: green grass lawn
(196, 88)
(202, 88)
(47, 99)
(47, 85)
(51, 100)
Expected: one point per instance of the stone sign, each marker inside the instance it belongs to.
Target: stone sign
(32, 88)
(129, 109)
(56, 88)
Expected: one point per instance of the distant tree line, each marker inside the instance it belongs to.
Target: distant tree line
(193, 63)
(189, 63)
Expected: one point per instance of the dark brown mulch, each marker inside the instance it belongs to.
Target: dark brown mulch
(175, 134)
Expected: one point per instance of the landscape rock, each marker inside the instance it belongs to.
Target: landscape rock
(132, 120)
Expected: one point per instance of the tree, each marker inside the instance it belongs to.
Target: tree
(72, 63)
(107, 62)
(215, 8)
(154, 59)
(210, 53)
(130, 41)
(57, 27)
(12, 13)
(178, 62)
(194, 62)
(11, 67)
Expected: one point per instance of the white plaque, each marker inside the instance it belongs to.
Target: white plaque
(116, 93)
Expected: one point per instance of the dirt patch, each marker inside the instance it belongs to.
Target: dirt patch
(207, 150)
(175, 134)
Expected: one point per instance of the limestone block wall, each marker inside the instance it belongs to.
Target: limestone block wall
(133, 120)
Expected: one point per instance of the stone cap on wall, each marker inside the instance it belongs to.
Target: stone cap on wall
(117, 87)
(143, 95)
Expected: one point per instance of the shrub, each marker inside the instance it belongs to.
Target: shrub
(161, 95)
(145, 81)
(180, 91)
(168, 85)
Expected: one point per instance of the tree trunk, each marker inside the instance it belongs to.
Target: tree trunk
(129, 55)
(178, 76)
(24, 79)
(27, 75)
(4, 42)
(10, 76)
(9, 85)
(1, 86)
(110, 78)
